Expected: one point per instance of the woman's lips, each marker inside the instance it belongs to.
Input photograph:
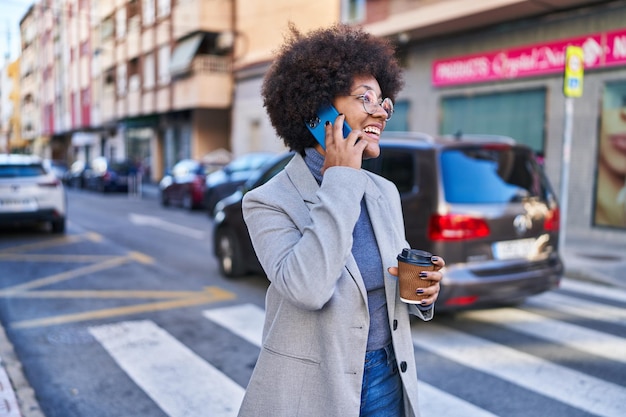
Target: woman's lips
(618, 141)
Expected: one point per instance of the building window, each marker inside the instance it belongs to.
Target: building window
(353, 11)
(518, 114)
(400, 119)
(148, 71)
(121, 80)
(163, 8)
(120, 23)
(164, 65)
(147, 8)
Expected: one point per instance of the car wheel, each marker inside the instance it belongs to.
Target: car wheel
(229, 254)
(58, 226)
(164, 200)
(188, 201)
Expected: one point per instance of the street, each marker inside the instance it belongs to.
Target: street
(128, 315)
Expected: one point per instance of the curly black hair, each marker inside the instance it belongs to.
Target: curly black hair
(311, 70)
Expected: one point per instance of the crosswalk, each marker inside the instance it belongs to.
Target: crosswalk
(559, 345)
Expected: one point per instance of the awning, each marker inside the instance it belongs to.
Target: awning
(84, 138)
(183, 54)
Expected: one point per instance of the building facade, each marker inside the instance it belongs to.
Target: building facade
(160, 80)
(506, 77)
(497, 68)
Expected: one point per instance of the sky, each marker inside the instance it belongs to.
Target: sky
(11, 12)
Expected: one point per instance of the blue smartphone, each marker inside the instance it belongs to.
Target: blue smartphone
(316, 126)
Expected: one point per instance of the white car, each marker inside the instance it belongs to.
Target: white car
(29, 193)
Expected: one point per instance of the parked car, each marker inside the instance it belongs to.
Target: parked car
(58, 168)
(184, 185)
(482, 203)
(29, 193)
(105, 175)
(225, 181)
(75, 175)
(231, 242)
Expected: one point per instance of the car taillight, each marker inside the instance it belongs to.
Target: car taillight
(456, 227)
(462, 301)
(552, 220)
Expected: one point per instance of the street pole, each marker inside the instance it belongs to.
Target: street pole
(572, 87)
(567, 147)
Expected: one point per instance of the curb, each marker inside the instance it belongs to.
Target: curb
(17, 398)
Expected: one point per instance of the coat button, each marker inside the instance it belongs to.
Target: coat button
(403, 366)
(395, 324)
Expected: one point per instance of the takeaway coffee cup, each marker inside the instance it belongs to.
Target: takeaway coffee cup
(410, 263)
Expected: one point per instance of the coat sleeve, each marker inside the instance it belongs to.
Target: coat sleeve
(304, 262)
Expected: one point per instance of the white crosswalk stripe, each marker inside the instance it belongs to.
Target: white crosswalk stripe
(153, 358)
(238, 320)
(535, 374)
(179, 381)
(576, 337)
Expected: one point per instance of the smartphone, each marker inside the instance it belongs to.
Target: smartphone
(316, 126)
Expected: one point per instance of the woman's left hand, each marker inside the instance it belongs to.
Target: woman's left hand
(430, 292)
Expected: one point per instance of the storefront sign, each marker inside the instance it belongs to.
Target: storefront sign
(600, 50)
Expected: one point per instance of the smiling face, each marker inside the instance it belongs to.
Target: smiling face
(371, 125)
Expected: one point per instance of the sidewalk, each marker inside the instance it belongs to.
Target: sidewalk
(598, 260)
(602, 261)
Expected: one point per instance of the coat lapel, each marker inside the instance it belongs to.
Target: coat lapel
(305, 184)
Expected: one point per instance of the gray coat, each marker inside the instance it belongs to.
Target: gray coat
(316, 325)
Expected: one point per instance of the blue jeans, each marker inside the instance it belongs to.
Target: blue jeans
(381, 393)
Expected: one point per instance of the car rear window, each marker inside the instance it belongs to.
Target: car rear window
(490, 174)
(26, 170)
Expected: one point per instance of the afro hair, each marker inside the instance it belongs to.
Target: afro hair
(311, 70)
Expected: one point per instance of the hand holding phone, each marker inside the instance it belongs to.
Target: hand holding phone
(316, 125)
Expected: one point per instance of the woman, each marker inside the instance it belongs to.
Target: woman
(336, 340)
(610, 207)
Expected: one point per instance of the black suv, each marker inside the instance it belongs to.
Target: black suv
(481, 203)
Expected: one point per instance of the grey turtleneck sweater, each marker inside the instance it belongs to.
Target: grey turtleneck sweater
(367, 256)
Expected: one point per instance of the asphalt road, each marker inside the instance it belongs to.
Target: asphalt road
(127, 315)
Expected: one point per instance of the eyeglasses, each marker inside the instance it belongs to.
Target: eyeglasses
(371, 102)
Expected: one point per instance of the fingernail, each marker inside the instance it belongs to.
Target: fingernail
(419, 291)
(327, 123)
(424, 302)
(423, 274)
(434, 258)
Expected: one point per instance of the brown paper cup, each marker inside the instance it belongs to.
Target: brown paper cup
(409, 281)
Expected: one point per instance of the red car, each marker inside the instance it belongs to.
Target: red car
(184, 185)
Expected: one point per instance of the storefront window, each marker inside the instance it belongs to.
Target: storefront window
(610, 197)
(518, 114)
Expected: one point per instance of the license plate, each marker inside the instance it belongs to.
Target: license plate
(18, 205)
(512, 249)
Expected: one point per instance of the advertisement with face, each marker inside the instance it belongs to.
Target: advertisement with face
(610, 198)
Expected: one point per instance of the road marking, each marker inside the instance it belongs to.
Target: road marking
(575, 337)
(153, 294)
(32, 257)
(586, 289)
(209, 295)
(591, 394)
(158, 223)
(578, 307)
(65, 240)
(64, 276)
(247, 322)
(244, 320)
(178, 380)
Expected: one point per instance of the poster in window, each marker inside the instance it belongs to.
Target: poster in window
(610, 198)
